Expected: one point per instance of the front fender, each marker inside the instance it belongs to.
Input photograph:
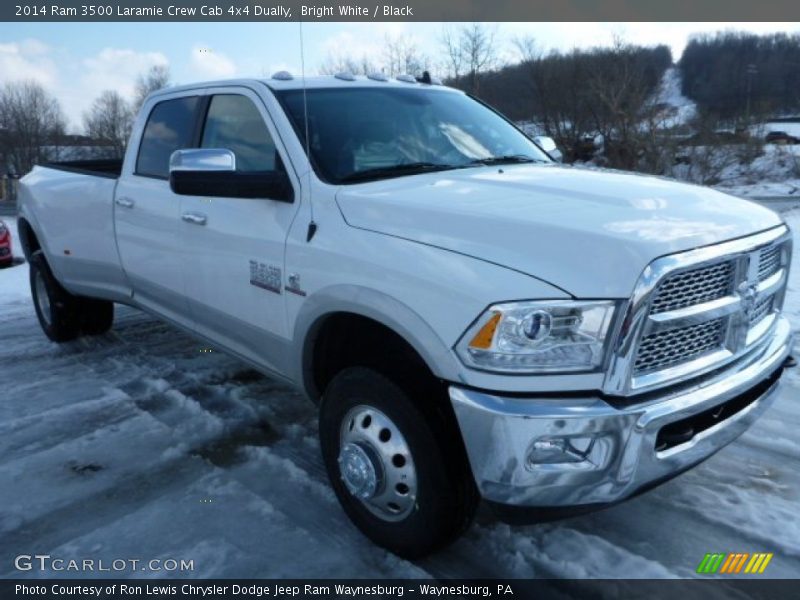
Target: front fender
(375, 305)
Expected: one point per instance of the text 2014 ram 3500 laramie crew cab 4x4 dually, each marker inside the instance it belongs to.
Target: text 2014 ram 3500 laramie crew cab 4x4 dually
(473, 318)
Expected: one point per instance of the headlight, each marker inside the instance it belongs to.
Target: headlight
(532, 337)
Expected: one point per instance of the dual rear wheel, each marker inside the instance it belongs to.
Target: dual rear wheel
(64, 316)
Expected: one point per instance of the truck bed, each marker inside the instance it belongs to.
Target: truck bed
(110, 168)
(72, 205)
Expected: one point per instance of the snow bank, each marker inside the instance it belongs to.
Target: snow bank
(14, 287)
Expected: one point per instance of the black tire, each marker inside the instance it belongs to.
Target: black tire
(97, 316)
(58, 311)
(446, 496)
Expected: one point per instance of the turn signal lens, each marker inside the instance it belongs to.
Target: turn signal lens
(483, 339)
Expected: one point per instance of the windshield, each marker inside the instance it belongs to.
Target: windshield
(361, 134)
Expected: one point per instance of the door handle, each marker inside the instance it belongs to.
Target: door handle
(194, 218)
(125, 202)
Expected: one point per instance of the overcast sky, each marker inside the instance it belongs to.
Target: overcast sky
(77, 61)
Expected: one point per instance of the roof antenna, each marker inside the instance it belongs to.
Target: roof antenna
(312, 226)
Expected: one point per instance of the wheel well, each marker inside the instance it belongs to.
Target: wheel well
(27, 238)
(345, 340)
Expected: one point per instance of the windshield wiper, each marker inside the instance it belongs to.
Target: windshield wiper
(395, 171)
(504, 160)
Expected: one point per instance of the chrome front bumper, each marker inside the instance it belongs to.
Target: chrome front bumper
(543, 452)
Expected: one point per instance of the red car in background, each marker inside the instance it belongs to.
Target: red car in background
(6, 256)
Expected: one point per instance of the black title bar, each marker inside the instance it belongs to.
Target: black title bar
(372, 589)
(408, 10)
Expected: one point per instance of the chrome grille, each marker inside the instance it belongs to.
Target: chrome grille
(698, 310)
(761, 310)
(769, 261)
(693, 287)
(667, 348)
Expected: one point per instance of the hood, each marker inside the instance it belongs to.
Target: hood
(589, 232)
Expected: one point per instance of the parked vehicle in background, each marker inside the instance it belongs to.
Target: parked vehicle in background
(473, 319)
(780, 137)
(6, 253)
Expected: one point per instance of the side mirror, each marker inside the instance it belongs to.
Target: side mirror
(548, 144)
(212, 172)
(203, 159)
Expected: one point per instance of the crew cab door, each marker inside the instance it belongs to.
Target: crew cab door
(233, 248)
(147, 212)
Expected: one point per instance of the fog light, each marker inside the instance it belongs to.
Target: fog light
(555, 450)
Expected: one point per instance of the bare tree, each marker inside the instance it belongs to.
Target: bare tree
(480, 52)
(470, 51)
(157, 77)
(626, 111)
(344, 63)
(109, 120)
(401, 55)
(31, 124)
(621, 95)
(528, 51)
(600, 103)
(452, 51)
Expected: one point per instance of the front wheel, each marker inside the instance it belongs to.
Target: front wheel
(394, 463)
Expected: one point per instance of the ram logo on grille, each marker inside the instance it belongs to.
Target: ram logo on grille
(748, 292)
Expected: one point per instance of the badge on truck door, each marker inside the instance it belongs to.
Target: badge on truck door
(265, 276)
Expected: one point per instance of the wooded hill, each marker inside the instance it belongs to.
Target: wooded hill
(735, 75)
(734, 78)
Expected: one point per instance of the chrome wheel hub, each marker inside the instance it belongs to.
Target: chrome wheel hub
(359, 470)
(376, 465)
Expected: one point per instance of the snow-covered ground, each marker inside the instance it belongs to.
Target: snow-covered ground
(774, 173)
(137, 444)
(765, 171)
(679, 109)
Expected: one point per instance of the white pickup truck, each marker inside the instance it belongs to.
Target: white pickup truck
(473, 319)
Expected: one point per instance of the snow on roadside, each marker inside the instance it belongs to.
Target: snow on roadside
(16, 246)
(792, 303)
(14, 280)
(679, 109)
(774, 173)
(550, 551)
(787, 188)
